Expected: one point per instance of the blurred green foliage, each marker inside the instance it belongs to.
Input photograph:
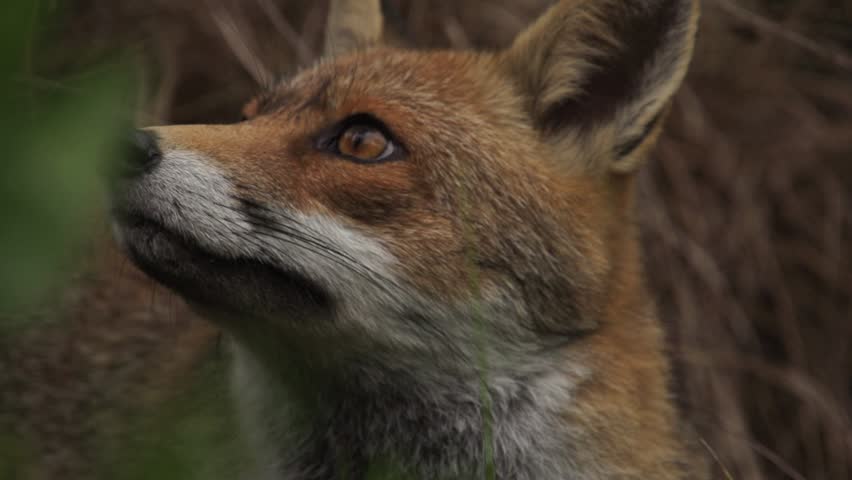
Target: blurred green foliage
(57, 138)
(190, 437)
(16, 459)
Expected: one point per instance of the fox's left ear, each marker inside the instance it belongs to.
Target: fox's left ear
(599, 75)
(353, 25)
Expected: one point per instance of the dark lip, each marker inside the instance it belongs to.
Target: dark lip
(208, 279)
(138, 224)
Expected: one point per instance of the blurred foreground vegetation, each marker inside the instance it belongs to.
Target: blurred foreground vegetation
(60, 135)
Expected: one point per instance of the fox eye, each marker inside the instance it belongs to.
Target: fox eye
(365, 143)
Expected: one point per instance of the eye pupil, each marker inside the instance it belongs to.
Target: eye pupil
(365, 143)
(358, 140)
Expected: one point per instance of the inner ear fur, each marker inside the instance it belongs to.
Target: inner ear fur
(602, 72)
(353, 25)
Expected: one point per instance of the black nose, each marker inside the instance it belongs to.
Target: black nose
(144, 154)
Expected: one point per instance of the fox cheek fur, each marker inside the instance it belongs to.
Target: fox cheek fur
(429, 258)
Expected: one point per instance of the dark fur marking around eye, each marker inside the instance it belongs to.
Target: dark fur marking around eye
(326, 139)
(373, 207)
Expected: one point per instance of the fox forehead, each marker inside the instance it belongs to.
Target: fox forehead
(402, 78)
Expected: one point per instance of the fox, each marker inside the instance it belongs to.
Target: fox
(426, 262)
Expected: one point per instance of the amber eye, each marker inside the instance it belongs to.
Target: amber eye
(365, 143)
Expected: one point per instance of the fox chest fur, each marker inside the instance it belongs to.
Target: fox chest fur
(426, 260)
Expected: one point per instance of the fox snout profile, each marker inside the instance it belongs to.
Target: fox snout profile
(428, 260)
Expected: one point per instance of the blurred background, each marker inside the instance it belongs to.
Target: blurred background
(746, 215)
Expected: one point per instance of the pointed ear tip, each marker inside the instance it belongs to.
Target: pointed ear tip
(352, 25)
(628, 166)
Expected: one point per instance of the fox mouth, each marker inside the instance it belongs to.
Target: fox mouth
(231, 285)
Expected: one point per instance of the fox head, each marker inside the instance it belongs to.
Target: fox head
(400, 201)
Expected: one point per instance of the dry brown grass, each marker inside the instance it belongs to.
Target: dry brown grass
(745, 210)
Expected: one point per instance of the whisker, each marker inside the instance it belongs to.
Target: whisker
(306, 237)
(294, 241)
(304, 234)
(297, 238)
(332, 256)
(272, 229)
(266, 246)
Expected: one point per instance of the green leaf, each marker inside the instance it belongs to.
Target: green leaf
(56, 144)
(191, 436)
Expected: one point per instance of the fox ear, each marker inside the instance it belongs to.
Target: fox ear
(352, 25)
(599, 74)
